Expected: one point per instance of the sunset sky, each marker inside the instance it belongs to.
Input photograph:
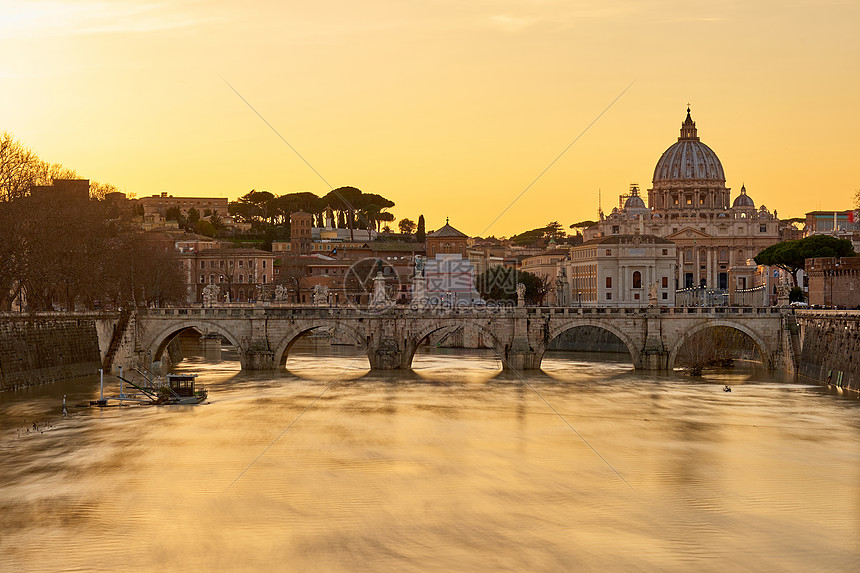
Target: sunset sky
(445, 107)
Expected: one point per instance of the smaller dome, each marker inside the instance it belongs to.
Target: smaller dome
(743, 200)
(721, 215)
(634, 202)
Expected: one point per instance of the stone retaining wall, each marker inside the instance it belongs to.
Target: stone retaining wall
(830, 349)
(38, 351)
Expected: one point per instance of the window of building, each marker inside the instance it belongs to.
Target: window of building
(688, 200)
(762, 229)
(665, 282)
(220, 264)
(665, 296)
(636, 296)
(202, 279)
(615, 229)
(637, 280)
(264, 263)
(211, 264)
(264, 279)
(212, 279)
(232, 263)
(608, 282)
(665, 252)
(609, 296)
(241, 278)
(221, 278)
(240, 263)
(202, 264)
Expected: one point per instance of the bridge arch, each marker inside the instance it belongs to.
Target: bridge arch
(296, 331)
(162, 339)
(557, 330)
(760, 343)
(414, 341)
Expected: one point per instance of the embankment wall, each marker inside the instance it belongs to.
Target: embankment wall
(41, 350)
(830, 348)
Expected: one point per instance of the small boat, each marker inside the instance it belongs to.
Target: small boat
(182, 389)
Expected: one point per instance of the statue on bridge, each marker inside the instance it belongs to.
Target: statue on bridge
(211, 294)
(320, 295)
(281, 293)
(521, 294)
(379, 297)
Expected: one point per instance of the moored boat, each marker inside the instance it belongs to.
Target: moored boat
(182, 389)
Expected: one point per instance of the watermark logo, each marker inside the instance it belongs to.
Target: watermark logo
(373, 285)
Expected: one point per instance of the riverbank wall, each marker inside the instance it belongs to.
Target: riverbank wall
(830, 347)
(42, 350)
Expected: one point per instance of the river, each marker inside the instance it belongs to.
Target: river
(455, 466)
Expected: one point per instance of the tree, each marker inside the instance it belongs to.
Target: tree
(406, 226)
(582, 225)
(420, 232)
(717, 346)
(204, 227)
(500, 284)
(19, 169)
(791, 255)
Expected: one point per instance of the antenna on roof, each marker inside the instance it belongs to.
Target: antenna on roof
(599, 203)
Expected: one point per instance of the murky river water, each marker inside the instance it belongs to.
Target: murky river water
(585, 466)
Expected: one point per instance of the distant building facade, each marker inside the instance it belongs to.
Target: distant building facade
(834, 281)
(158, 205)
(620, 271)
(690, 205)
(242, 275)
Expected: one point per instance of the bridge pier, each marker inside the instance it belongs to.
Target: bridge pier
(259, 360)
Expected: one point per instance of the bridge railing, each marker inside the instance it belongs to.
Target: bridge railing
(307, 311)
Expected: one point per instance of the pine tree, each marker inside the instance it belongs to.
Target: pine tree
(420, 233)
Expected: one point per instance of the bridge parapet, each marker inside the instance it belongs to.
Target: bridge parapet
(263, 334)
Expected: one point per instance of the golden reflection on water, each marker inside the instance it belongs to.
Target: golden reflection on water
(456, 465)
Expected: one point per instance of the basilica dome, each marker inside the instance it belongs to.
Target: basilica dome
(688, 159)
(634, 202)
(743, 200)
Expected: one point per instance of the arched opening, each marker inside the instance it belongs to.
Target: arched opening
(323, 353)
(716, 347)
(637, 279)
(456, 353)
(587, 348)
(198, 345)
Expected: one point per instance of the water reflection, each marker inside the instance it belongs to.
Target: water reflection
(457, 465)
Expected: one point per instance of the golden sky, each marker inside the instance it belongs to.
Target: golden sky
(444, 106)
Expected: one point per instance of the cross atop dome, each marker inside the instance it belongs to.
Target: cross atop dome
(688, 128)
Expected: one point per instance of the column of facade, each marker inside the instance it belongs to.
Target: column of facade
(622, 275)
(711, 267)
(697, 264)
(679, 269)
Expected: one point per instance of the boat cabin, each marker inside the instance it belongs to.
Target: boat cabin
(182, 384)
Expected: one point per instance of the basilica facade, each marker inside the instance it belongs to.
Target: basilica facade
(690, 205)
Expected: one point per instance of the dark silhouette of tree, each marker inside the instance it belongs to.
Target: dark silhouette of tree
(204, 227)
(406, 226)
(791, 255)
(500, 284)
(718, 346)
(420, 232)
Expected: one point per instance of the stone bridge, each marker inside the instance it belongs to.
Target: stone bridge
(263, 335)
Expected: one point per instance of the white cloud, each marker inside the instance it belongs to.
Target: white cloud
(54, 18)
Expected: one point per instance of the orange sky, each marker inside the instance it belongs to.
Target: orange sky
(445, 107)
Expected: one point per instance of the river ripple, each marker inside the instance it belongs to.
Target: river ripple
(584, 466)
